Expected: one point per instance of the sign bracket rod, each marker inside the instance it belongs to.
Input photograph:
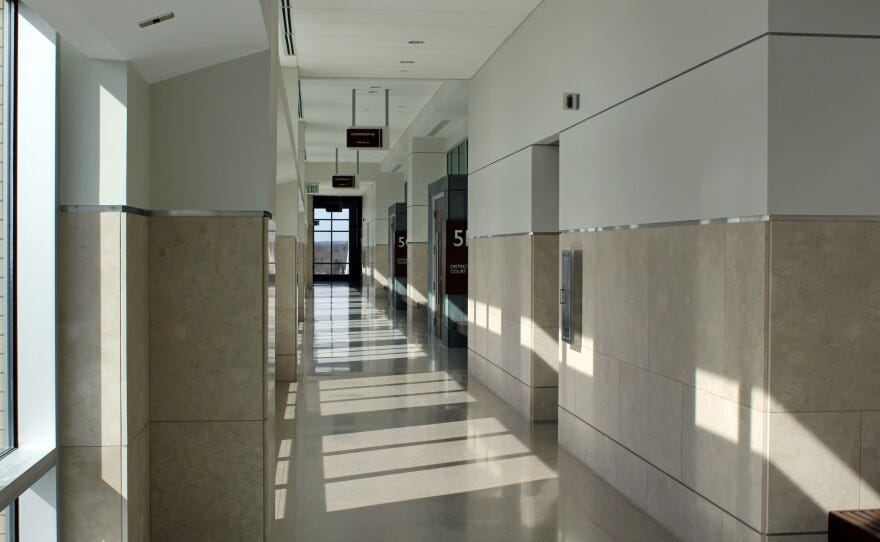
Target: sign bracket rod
(354, 107)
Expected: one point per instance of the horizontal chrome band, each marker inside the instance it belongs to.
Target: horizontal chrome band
(517, 234)
(159, 213)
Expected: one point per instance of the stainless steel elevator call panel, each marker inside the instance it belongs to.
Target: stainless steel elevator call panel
(570, 295)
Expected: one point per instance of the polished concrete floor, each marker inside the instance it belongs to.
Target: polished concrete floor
(384, 438)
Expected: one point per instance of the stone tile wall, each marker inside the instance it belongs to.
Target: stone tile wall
(513, 320)
(103, 372)
(667, 392)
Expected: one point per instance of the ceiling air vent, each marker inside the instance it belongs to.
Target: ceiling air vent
(437, 128)
(288, 27)
(156, 20)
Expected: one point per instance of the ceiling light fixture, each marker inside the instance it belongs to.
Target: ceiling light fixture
(416, 42)
(407, 61)
(156, 20)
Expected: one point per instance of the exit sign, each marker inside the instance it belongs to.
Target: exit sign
(312, 188)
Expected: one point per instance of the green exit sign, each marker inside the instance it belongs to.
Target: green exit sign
(312, 188)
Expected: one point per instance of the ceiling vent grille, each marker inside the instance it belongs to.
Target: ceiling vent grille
(440, 126)
(397, 167)
(288, 27)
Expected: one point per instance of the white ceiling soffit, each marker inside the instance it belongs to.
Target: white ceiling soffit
(371, 38)
(326, 107)
(202, 32)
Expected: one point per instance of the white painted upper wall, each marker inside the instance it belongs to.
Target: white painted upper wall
(210, 138)
(693, 148)
(854, 17)
(824, 126)
(287, 219)
(500, 197)
(138, 166)
(679, 118)
(388, 191)
(92, 124)
(545, 188)
(104, 131)
(606, 51)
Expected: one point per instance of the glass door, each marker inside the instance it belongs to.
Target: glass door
(332, 250)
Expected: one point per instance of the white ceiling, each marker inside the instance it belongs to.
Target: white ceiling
(327, 112)
(369, 38)
(203, 32)
(345, 44)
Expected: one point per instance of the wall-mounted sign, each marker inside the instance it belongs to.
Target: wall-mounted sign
(343, 181)
(364, 138)
(456, 260)
(400, 253)
(312, 188)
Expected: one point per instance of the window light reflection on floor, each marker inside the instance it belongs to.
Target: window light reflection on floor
(490, 457)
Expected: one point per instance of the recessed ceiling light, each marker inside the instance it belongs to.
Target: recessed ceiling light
(376, 86)
(401, 106)
(401, 71)
(374, 92)
(416, 42)
(407, 61)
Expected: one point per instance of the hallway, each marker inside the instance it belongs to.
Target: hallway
(390, 441)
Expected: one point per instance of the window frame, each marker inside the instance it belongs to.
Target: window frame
(29, 468)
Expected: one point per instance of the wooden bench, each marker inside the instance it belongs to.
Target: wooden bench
(853, 525)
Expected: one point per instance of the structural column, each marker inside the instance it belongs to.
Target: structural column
(427, 163)
(103, 373)
(513, 302)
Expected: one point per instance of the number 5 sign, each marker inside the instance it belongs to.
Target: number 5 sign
(456, 257)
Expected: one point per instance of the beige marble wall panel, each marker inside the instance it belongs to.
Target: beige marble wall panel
(136, 467)
(285, 272)
(380, 266)
(286, 323)
(651, 417)
(686, 288)
(545, 403)
(622, 320)
(620, 467)
(596, 380)
(207, 481)
(91, 489)
(869, 495)
(545, 280)
(690, 517)
(207, 318)
(135, 273)
(746, 294)
(90, 353)
(814, 468)
(723, 455)
(417, 273)
(825, 332)
(542, 349)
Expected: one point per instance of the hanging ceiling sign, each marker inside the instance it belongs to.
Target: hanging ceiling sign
(365, 138)
(343, 181)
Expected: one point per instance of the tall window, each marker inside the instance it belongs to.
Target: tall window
(457, 159)
(7, 434)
